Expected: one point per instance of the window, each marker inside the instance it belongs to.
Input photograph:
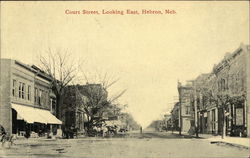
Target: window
(14, 88)
(46, 100)
(21, 90)
(223, 84)
(29, 92)
(219, 86)
(35, 96)
(242, 84)
(40, 97)
(187, 110)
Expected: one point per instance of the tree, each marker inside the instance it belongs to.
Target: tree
(62, 69)
(223, 100)
(128, 120)
(96, 102)
(98, 105)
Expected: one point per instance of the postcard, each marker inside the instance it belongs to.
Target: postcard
(119, 79)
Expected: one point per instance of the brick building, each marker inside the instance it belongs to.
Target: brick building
(232, 74)
(205, 86)
(229, 79)
(26, 99)
(185, 117)
(229, 82)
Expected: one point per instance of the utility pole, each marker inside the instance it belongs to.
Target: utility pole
(195, 111)
(179, 118)
(179, 106)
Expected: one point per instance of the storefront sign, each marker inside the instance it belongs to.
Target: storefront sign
(239, 116)
(205, 114)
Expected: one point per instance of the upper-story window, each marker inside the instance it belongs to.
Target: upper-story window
(222, 85)
(187, 110)
(35, 95)
(14, 88)
(21, 90)
(29, 93)
(40, 97)
(46, 98)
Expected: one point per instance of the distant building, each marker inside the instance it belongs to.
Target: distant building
(167, 122)
(26, 101)
(175, 117)
(76, 97)
(185, 92)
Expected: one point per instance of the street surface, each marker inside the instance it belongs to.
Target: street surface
(134, 145)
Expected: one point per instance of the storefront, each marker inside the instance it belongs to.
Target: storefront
(39, 121)
(237, 119)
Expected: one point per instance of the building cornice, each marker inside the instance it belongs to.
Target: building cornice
(227, 61)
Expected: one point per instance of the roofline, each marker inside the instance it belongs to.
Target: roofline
(30, 68)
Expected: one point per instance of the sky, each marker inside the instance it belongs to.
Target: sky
(148, 53)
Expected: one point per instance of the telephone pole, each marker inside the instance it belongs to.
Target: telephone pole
(195, 111)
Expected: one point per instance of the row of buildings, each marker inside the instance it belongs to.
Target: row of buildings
(28, 103)
(217, 99)
(26, 99)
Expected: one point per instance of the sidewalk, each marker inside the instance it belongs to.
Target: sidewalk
(233, 141)
(243, 142)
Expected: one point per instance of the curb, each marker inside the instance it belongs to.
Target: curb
(229, 144)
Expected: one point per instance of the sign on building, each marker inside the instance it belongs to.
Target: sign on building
(239, 116)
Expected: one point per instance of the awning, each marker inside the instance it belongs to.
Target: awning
(50, 118)
(28, 114)
(31, 115)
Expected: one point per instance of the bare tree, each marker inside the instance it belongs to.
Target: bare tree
(62, 68)
(98, 103)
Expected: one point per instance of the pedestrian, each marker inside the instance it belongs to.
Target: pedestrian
(3, 137)
(27, 132)
(72, 131)
(104, 131)
(141, 129)
(172, 127)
